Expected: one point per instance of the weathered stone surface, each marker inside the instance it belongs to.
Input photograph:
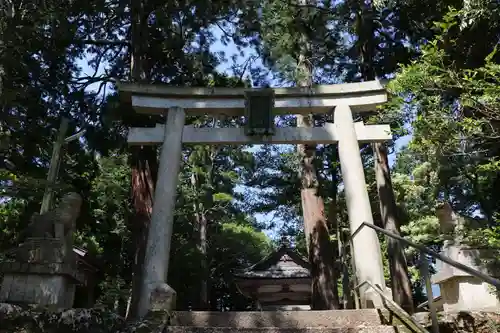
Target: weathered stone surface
(365, 244)
(360, 329)
(461, 290)
(40, 274)
(157, 254)
(154, 99)
(43, 269)
(327, 134)
(283, 319)
(16, 319)
(64, 215)
(163, 298)
(463, 322)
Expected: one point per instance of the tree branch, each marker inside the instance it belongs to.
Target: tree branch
(311, 6)
(102, 42)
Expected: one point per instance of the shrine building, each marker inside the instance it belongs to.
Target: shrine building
(279, 282)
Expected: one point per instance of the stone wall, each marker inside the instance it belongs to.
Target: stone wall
(16, 319)
(463, 321)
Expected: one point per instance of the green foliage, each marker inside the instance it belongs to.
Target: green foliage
(451, 102)
(485, 238)
(232, 246)
(285, 29)
(454, 111)
(10, 215)
(106, 227)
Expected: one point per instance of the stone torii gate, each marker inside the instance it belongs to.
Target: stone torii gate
(176, 102)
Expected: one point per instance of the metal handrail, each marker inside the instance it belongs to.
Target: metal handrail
(485, 277)
(424, 267)
(405, 314)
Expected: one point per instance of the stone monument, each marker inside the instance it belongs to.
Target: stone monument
(43, 269)
(461, 291)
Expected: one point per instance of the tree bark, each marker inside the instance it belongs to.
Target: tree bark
(204, 300)
(201, 206)
(144, 173)
(335, 226)
(320, 250)
(144, 162)
(319, 246)
(202, 224)
(138, 40)
(55, 163)
(400, 281)
(4, 11)
(333, 223)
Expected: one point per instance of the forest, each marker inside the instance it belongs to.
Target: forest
(63, 58)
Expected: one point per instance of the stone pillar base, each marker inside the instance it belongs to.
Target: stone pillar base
(370, 299)
(40, 274)
(163, 298)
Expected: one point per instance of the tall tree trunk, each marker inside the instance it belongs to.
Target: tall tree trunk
(336, 226)
(204, 300)
(320, 250)
(5, 12)
(138, 40)
(201, 205)
(319, 246)
(400, 281)
(347, 282)
(401, 290)
(144, 175)
(201, 225)
(333, 223)
(144, 161)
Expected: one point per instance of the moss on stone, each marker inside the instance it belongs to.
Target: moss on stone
(463, 321)
(17, 319)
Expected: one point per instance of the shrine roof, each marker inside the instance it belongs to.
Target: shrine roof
(83, 258)
(284, 263)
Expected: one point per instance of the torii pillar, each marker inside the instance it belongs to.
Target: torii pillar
(156, 294)
(365, 244)
(177, 102)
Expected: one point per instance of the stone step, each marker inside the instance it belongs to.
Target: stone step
(282, 319)
(359, 329)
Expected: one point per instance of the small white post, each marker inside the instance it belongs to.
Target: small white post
(155, 293)
(366, 247)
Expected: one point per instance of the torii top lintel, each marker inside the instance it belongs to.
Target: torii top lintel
(155, 98)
